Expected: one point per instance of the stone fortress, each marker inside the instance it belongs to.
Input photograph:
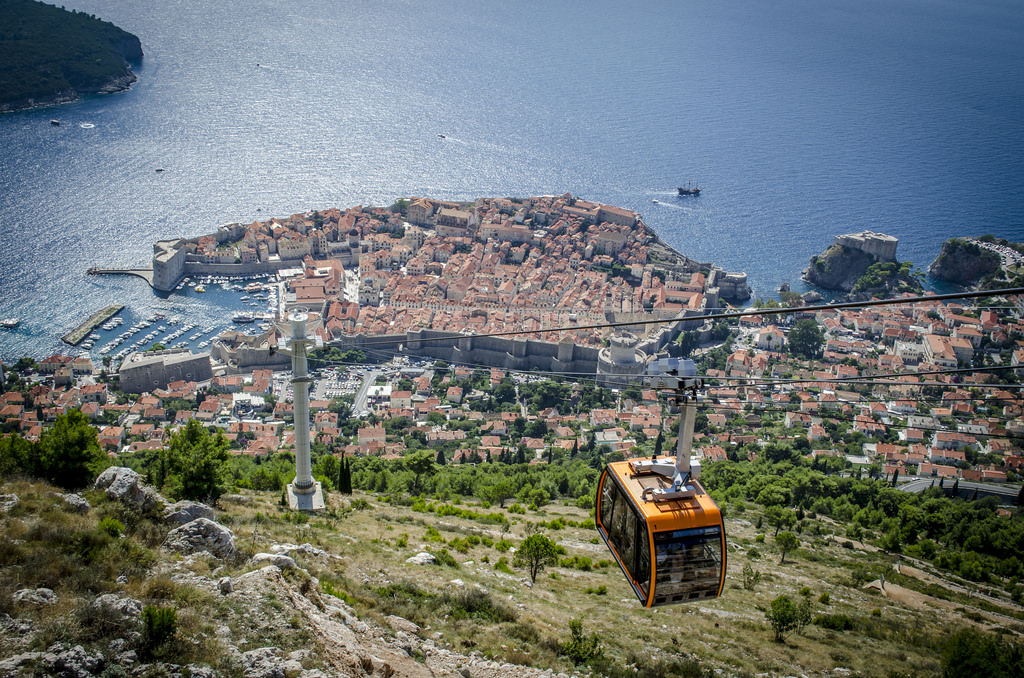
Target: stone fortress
(878, 245)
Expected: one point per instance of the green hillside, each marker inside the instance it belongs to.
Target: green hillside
(48, 54)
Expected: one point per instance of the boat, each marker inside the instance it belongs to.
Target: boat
(688, 190)
(200, 288)
(9, 323)
(55, 122)
(159, 169)
(243, 318)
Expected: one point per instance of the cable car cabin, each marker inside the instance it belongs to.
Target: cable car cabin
(686, 537)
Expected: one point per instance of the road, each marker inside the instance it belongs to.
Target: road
(359, 404)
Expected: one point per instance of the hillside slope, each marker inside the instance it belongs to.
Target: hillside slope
(350, 602)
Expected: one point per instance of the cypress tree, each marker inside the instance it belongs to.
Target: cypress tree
(440, 457)
(345, 486)
(659, 442)
(895, 475)
(521, 455)
(1020, 496)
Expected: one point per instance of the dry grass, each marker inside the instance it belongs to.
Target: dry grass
(493, 612)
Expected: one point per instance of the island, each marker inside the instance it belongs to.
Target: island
(49, 55)
(422, 270)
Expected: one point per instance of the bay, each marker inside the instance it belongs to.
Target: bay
(800, 120)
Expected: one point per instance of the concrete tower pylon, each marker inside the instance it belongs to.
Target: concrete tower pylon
(304, 493)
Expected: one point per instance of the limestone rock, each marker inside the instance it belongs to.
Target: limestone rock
(60, 662)
(128, 608)
(35, 597)
(263, 662)
(284, 562)
(186, 511)
(235, 499)
(202, 534)
(13, 666)
(76, 502)
(422, 558)
(8, 501)
(196, 671)
(401, 624)
(305, 549)
(123, 484)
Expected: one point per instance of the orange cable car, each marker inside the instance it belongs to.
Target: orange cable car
(666, 533)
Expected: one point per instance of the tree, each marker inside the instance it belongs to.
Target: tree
(534, 553)
(17, 455)
(786, 542)
(659, 442)
(779, 517)
(69, 452)
(420, 463)
(345, 476)
(197, 461)
(785, 616)
(806, 339)
(440, 460)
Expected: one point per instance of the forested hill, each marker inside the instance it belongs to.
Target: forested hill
(50, 55)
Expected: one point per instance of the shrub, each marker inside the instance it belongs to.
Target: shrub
(580, 649)
(759, 539)
(824, 598)
(785, 616)
(753, 553)
(111, 526)
(445, 558)
(502, 565)
(751, 577)
(159, 626)
(834, 622)
(601, 590)
(433, 535)
(503, 545)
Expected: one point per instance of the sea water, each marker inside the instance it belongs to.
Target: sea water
(799, 119)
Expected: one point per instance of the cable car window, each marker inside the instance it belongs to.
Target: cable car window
(609, 492)
(643, 567)
(623, 535)
(688, 564)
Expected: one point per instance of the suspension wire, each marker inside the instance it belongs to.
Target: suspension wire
(718, 316)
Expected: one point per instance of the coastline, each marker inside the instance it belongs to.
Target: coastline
(115, 84)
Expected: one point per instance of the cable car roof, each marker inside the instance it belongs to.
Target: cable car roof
(672, 514)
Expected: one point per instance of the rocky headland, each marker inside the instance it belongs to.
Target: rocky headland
(863, 265)
(964, 262)
(49, 55)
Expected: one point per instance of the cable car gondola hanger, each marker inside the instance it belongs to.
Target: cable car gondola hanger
(665, 532)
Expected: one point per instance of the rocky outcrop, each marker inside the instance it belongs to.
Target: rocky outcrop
(963, 262)
(8, 501)
(35, 597)
(202, 534)
(62, 662)
(186, 511)
(838, 268)
(76, 502)
(123, 484)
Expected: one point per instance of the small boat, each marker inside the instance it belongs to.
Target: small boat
(55, 122)
(656, 202)
(159, 169)
(441, 136)
(200, 288)
(688, 190)
(243, 318)
(9, 323)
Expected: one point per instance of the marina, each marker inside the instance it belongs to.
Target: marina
(75, 336)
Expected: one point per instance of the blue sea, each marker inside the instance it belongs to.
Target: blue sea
(799, 119)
